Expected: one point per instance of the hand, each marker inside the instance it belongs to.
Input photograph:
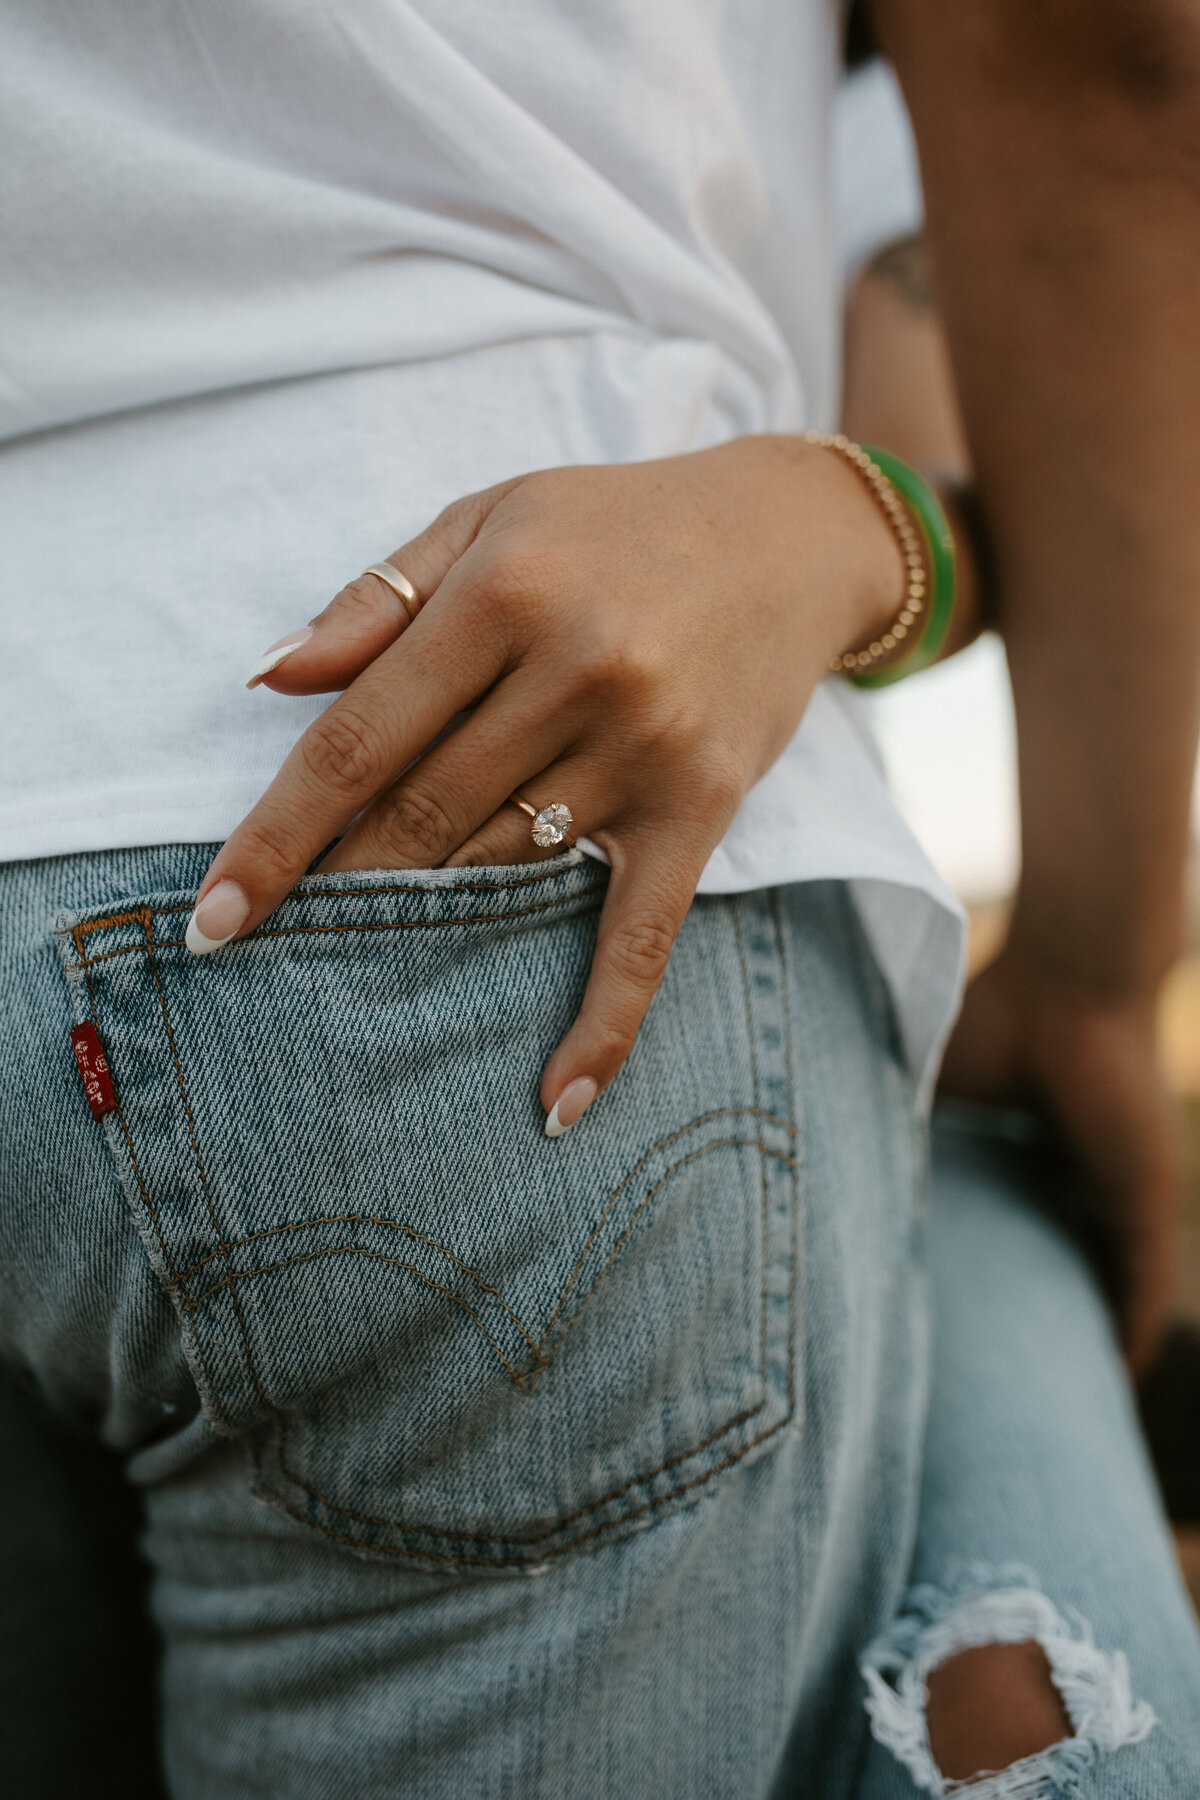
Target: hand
(1087, 1065)
(638, 641)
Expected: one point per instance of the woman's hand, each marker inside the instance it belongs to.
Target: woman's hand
(1086, 1063)
(638, 641)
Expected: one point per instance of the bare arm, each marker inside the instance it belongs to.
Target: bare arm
(898, 392)
(1060, 151)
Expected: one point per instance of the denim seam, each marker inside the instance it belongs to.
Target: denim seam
(191, 1125)
(78, 932)
(762, 1299)
(522, 1562)
(798, 1162)
(608, 1525)
(479, 1537)
(320, 930)
(134, 915)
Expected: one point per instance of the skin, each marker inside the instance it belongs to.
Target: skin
(643, 640)
(991, 1705)
(729, 578)
(1060, 147)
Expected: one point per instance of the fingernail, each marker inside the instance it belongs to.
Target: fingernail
(272, 658)
(571, 1105)
(219, 916)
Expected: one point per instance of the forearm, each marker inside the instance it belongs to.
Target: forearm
(1064, 217)
(898, 392)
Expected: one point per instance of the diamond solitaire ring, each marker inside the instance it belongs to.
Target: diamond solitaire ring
(552, 825)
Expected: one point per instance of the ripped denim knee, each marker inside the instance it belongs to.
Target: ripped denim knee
(981, 1606)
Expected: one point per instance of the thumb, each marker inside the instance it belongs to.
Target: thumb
(370, 613)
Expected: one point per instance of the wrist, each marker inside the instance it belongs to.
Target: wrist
(868, 583)
(1068, 970)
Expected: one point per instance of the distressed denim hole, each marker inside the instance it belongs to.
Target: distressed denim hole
(1000, 1609)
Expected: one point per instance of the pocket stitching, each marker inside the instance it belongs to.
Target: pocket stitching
(659, 1500)
(78, 933)
(191, 1125)
(411, 1231)
(538, 1362)
(145, 918)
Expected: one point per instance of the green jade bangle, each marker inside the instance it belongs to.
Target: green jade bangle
(934, 527)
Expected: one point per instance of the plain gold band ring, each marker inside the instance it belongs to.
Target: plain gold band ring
(551, 825)
(400, 585)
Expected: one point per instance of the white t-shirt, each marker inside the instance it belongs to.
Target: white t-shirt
(281, 278)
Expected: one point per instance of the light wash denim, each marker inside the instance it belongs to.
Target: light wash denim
(479, 1464)
(476, 1462)
(1039, 1515)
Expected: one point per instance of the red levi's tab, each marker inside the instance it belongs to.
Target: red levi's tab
(93, 1066)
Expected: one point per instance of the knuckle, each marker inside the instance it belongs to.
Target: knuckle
(611, 1041)
(620, 668)
(411, 819)
(638, 951)
(722, 791)
(342, 751)
(521, 574)
(272, 852)
(361, 597)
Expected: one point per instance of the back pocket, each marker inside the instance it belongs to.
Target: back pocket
(444, 1336)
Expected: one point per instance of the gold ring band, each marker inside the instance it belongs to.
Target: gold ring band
(400, 585)
(551, 824)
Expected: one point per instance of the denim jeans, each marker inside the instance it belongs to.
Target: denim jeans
(475, 1463)
(1039, 1515)
(470, 1456)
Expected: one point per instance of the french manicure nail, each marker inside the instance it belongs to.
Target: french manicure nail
(272, 658)
(571, 1105)
(219, 916)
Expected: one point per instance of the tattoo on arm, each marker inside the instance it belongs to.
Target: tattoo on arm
(904, 265)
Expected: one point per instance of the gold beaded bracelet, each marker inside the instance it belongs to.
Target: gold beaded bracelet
(906, 536)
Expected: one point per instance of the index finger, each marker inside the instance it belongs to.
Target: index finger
(359, 745)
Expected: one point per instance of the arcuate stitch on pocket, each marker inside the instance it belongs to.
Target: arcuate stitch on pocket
(528, 1541)
(764, 1150)
(286, 1262)
(434, 1244)
(346, 1219)
(526, 1377)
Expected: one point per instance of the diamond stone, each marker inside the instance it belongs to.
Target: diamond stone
(551, 825)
